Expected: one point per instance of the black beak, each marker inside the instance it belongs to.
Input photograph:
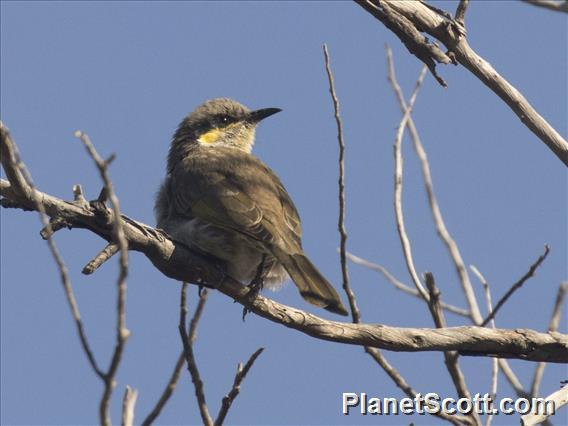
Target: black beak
(261, 114)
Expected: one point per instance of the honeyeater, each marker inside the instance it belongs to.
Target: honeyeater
(221, 199)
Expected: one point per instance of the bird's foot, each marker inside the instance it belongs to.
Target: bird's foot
(256, 285)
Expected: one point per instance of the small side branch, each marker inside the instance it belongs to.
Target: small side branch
(236, 388)
(401, 286)
(105, 254)
(516, 286)
(167, 393)
(128, 404)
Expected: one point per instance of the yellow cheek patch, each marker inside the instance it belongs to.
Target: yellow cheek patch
(210, 137)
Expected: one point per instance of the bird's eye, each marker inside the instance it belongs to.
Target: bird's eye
(225, 119)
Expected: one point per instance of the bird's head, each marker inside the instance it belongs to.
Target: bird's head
(218, 122)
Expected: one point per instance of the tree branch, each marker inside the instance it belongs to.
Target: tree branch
(167, 392)
(179, 262)
(376, 354)
(355, 314)
(443, 232)
(122, 333)
(401, 286)
(187, 341)
(516, 286)
(236, 388)
(414, 17)
(554, 5)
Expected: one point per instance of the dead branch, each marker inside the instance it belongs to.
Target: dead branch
(552, 326)
(122, 333)
(409, 19)
(179, 262)
(188, 340)
(554, 5)
(517, 285)
(400, 285)
(236, 388)
(167, 392)
(128, 404)
(441, 229)
(355, 314)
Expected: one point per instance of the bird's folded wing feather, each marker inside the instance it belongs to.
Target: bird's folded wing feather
(240, 193)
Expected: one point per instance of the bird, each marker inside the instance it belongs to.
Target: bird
(222, 200)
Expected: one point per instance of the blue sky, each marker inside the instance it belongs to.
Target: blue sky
(127, 72)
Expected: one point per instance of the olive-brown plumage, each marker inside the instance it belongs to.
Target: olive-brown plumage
(223, 200)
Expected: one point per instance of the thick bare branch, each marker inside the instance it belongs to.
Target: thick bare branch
(554, 5)
(419, 17)
(177, 261)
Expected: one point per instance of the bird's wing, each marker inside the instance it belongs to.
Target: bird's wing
(235, 190)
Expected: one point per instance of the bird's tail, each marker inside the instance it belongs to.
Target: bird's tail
(313, 286)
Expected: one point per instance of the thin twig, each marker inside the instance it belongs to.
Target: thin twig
(236, 388)
(494, 361)
(187, 341)
(443, 232)
(128, 404)
(16, 169)
(404, 240)
(167, 393)
(356, 317)
(355, 314)
(552, 326)
(400, 285)
(517, 285)
(122, 332)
